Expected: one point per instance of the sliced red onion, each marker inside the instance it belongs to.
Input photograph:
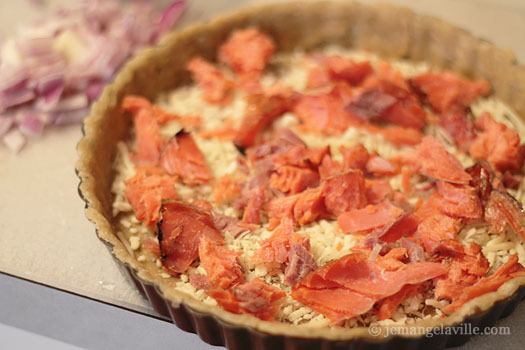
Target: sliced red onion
(50, 99)
(169, 16)
(14, 140)
(5, 123)
(45, 82)
(36, 46)
(16, 98)
(93, 90)
(13, 78)
(72, 102)
(29, 123)
(52, 67)
(47, 118)
(71, 117)
(47, 64)
(49, 84)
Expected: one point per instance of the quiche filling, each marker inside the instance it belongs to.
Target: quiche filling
(329, 188)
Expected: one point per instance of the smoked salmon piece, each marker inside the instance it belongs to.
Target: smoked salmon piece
(337, 68)
(351, 285)
(255, 202)
(308, 206)
(432, 159)
(329, 167)
(457, 201)
(502, 211)
(214, 84)
(498, 144)
(370, 218)
(301, 156)
(405, 226)
(292, 179)
(183, 158)
(324, 113)
(380, 166)
(317, 77)
(337, 304)
(398, 135)
(460, 201)
(277, 247)
(384, 100)
(221, 264)
(406, 113)
(386, 73)
(282, 141)
(162, 117)
(261, 111)
(180, 230)
(202, 204)
(460, 126)
(343, 92)
(467, 266)
(485, 285)
(303, 208)
(354, 158)
(446, 91)
(389, 305)
(150, 142)
(225, 189)
(393, 260)
(146, 119)
(344, 192)
(406, 175)
(356, 273)
(246, 52)
(134, 104)
(377, 191)
(347, 69)
(146, 190)
(436, 228)
(255, 297)
(429, 207)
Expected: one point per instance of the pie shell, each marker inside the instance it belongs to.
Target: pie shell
(387, 30)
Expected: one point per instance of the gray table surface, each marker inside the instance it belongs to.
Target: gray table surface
(69, 319)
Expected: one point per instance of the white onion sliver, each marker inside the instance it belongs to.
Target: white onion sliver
(375, 251)
(29, 123)
(71, 117)
(14, 140)
(72, 102)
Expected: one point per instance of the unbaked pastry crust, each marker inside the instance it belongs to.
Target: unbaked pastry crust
(387, 30)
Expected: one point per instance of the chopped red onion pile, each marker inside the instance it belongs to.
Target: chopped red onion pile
(51, 71)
